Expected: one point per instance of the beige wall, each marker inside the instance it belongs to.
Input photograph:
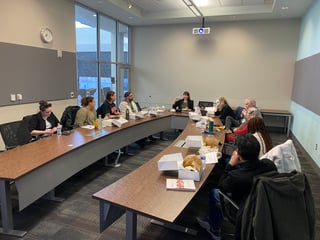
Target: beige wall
(20, 23)
(238, 60)
(21, 20)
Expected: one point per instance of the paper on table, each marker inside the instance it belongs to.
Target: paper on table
(211, 157)
(88, 127)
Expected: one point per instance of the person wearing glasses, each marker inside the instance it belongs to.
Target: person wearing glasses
(44, 123)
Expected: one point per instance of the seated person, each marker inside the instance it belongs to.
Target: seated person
(86, 115)
(44, 123)
(257, 128)
(223, 109)
(231, 122)
(108, 107)
(236, 181)
(185, 103)
(133, 107)
(129, 104)
(243, 128)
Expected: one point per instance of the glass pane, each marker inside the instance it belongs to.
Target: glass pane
(123, 43)
(87, 80)
(108, 73)
(124, 85)
(108, 39)
(86, 33)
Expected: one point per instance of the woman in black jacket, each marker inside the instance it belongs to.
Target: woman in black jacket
(183, 104)
(223, 109)
(44, 123)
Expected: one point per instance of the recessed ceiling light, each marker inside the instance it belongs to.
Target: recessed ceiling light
(284, 8)
(201, 3)
(131, 17)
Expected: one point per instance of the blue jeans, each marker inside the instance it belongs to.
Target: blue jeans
(215, 217)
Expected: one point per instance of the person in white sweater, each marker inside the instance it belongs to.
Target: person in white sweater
(128, 103)
(257, 128)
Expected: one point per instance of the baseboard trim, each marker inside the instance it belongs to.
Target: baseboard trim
(309, 158)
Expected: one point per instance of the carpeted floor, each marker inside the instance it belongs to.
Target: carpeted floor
(77, 217)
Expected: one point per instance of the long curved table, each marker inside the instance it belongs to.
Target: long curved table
(144, 192)
(38, 167)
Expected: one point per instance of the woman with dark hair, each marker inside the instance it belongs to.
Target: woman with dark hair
(108, 106)
(87, 114)
(257, 128)
(185, 103)
(223, 109)
(44, 123)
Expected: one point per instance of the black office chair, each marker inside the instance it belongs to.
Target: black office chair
(15, 134)
(68, 117)
(229, 211)
(204, 104)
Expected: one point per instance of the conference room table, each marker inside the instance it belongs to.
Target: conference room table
(144, 192)
(38, 167)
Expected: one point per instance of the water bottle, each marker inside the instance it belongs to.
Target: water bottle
(99, 122)
(59, 132)
(127, 114)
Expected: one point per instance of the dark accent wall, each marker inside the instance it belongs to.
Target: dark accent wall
(306, 84)
(36, 73)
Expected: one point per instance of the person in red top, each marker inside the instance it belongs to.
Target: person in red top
(243, 128)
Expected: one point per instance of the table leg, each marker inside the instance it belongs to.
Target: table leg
(109, 214)
(131, 225)
(175, 227)
(6, 211)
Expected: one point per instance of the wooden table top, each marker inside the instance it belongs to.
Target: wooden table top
(17, 162)
(144, 190)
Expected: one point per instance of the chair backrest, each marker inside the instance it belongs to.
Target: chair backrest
(68, 117)
(237, 113)
(15, 134)
(205, 104)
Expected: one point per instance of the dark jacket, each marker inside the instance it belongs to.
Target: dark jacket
(37, 122)
(280, 206)
(107, 108)
(238, 180)
(178, 104)
(226, 111)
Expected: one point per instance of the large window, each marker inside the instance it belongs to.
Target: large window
(102, 53)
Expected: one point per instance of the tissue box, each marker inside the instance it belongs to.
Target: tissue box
(169, 162)
(194, 141)
(119, 122)
(132, 116)
(188, 174)
(107, 123)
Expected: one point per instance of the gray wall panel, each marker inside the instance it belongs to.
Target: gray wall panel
(306, 85)
(36, 73)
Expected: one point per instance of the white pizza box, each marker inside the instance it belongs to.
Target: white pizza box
(169, 162)
(184, 173)
(194, 141)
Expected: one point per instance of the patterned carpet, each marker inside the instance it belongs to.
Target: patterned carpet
(77, 217)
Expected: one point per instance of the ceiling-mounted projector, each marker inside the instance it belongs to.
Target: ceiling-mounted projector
(201, 30)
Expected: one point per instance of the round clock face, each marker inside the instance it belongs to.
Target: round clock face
(46, 35)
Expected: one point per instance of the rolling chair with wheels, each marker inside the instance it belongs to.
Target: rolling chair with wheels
(15, 134)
